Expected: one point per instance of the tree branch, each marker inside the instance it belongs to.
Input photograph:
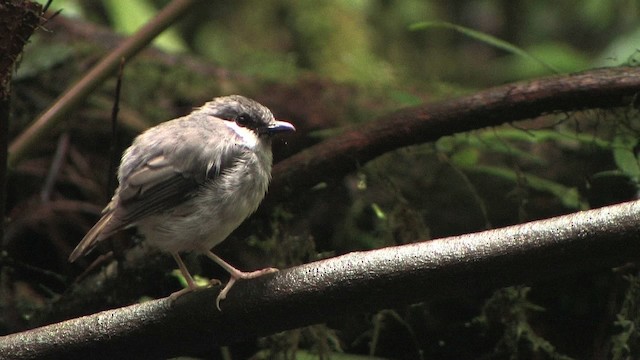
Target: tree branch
(335, 157)
(355, 282)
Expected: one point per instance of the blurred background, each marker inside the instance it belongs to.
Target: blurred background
(379, 42)
(326, 66)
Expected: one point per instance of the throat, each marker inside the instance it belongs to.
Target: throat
(245, 136)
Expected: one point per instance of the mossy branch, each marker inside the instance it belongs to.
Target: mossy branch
(330, 159)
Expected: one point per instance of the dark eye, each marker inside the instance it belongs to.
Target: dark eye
(243, 120)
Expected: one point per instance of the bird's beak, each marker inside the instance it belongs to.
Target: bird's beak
(278, 127)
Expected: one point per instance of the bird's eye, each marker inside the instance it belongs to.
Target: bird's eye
(243, 120)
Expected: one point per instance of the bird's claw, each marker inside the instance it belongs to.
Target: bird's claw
(241, 275)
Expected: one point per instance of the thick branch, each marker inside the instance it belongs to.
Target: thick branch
(333, 158)
(354, 282)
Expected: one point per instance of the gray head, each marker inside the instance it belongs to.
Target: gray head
(246, 113)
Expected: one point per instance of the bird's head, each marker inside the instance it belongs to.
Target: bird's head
(247, 113)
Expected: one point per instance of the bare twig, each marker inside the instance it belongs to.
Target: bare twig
(113, 148)
(56, 166)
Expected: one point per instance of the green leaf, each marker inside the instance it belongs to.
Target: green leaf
(569, 196)
(539, 136)
(466, 157)
(625, 157)
(483, 37)
(380, 214)
(200, 281)
(556, 54)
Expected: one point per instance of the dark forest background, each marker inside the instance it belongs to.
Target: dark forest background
(327, 66)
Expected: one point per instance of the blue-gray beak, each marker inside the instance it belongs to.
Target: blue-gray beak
(279, 127)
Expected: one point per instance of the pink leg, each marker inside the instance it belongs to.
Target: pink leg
(235, 274)
(185, 272)
(191, 284)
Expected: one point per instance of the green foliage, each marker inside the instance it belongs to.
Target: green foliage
(568, 196)
(626, 339)
(335, 42)
(322, 342)
(368, 42)
(200, 281)
(467, 151)
(625, 157)
(129, 16)
(229, 47)
(622, 50)
(379, 322)
(40, 57)
(559, 56)
(509, 309)
(485, 38)
(634, 59)
(404, 99)
(71, 8)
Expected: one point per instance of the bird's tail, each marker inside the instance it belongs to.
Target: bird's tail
(92, 238)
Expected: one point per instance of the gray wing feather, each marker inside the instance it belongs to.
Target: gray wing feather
(91, 238)
(156, 182)
(146, 192)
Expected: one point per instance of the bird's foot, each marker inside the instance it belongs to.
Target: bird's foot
(224, 292)
(241, 275)
(175, 295)
(255, 274)
(214, 282)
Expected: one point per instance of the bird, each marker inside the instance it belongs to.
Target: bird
(187, 183)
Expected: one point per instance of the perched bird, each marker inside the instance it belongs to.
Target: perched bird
(189, 182)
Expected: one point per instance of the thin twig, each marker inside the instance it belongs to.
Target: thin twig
(56, 166)
(113, 157)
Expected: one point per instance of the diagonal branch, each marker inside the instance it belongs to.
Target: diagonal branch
(335, 157)
(355, 282)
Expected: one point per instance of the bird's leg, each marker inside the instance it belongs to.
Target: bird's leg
(191, 284)
(235, 274)
(185, 272)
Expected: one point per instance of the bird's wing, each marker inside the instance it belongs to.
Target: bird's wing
(156, 185)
